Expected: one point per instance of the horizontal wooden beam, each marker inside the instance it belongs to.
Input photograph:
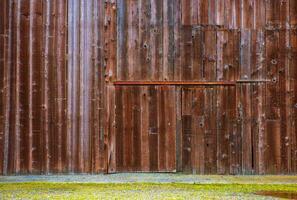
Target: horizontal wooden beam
(175, 83)
(202, 83)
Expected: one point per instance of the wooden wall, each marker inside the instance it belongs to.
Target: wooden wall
(64, 106)
(51, 110)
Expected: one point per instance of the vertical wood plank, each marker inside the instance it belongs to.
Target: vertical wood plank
(292, 13)
(144, 38)
(204, 12)
(186, 7)
(14, 145)
(101, 90)
(162, 128)
(45, 131)
(197, 54)
(186, 53)
(258, 100)
(153, 129)
(119, 128)
(284, 44)
(220, 13)
(259, 17)
(36, 61)
(244, 101)
(293, 97)
(177, 40)
(198, 128)
(133, 44)
(110, 128)
(145, 151)
(210, 134)
(156, 40)
(209, 69)
(128, 134)
(110, 37)
(122, 39)
(232, 135)
(3, 45)
(272, 151)
(212, 4)
(136, 144)
(168, 40)
(24, 53)
(6, 90)
(272, 13)
(247, 15)
(187, 132)
(178, 104)
(170, 127)
(222, 131)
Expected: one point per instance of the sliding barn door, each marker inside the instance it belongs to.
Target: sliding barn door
(223, 130)
(144, 138)
(210, 141)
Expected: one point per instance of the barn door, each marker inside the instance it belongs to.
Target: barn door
(145, 125)
(209, 141)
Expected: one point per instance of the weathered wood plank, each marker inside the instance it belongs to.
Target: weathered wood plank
(111, 131)
(272, 152)
(156, 40)
(178, 132)
(170, 127)
(199, 124)
(186, 8)
(222, 130)
(119, 128)
(36, 62)
(272, 13)
(187, 131)
(162, 128)
(122, 40)
(231, 135)
(210, 56)
(284, 101)
(153, 128)
(186, 53)
(293, 98)
(259, 17)
(3, 44)
(210, 134)
(168, 40)
(24, 53)
(14, 139)
(145, 151)
(197, 55)
(293, 13)
(144, 38)
(136, 129)
(247, 14)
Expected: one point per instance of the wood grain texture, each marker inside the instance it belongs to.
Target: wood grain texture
(105, 86)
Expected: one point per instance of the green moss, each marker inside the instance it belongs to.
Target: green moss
(45, 190)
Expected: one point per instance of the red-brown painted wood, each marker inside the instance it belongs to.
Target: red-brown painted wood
(197, 86)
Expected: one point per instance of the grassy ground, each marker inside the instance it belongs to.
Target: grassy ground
(142, 186)
(51, 190)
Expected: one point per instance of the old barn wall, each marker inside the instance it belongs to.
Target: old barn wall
(198, 86)
(52, 86)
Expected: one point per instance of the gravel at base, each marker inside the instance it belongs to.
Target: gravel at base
(152, 178)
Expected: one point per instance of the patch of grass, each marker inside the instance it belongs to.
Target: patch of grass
(45, 190)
